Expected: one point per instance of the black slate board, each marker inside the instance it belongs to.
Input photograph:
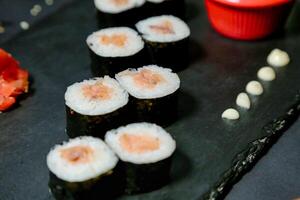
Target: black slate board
(56, 55)
(11, 15)
(275, 176)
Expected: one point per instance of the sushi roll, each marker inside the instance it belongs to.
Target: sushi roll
(115, 49)
(83, 168)
(119, 12)
(146, 153)
(95, 106)
(167, 39)
(153, 91)
(166, 7)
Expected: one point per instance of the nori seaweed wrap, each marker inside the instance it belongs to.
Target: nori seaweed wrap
(84, 168)
(95, 106)
(119, 12)
(141, 178)
(115, 49)
(78, 124)
(154, 93)
(167, 40)
(162, 111)
(145, 151)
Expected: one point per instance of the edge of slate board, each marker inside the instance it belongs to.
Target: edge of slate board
(246, 159)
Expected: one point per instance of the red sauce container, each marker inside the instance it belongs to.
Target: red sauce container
(248, 19)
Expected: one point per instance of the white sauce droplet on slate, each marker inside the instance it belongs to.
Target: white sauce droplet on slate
(278, 58)
(243, 100)
(35, 10)
(231, 114)
(266, 74)
(49, 2)
(254, 88)
(24, 25)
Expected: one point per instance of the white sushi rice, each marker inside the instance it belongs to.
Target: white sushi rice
(77, 101)
(166, 148)
(169, 85)
(157, 1)
(112, 7)
(180, 29)
(101, 160)
(133, 43)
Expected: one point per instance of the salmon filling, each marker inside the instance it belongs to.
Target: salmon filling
(147, 78)
(77, 154)
(120, 2)
(118, 40)
(139, 143)
(97, 91)
(164, 28)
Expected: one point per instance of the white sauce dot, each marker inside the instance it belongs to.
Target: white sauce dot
(243, 100)
(37, 7)
(278, 58)
(254, 88)
(24, 25)
(49, 2)
(231, 114)
(266, 74)
(36, 10)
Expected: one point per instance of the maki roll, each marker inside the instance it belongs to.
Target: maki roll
(153, 91)
(166, 7)
(146, 154)
(115, 49)
(119, 12)
(83, 168)
(166, 38)
(95, 106)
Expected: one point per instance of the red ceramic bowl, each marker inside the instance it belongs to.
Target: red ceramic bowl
(248, 19)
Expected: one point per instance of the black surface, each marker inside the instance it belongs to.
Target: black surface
(56, 55)
(15, 11)
(245, 160)
(276, 176)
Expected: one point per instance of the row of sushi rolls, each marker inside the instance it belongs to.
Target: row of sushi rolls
(114, 120)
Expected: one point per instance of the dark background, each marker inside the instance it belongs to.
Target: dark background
(56, 59)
